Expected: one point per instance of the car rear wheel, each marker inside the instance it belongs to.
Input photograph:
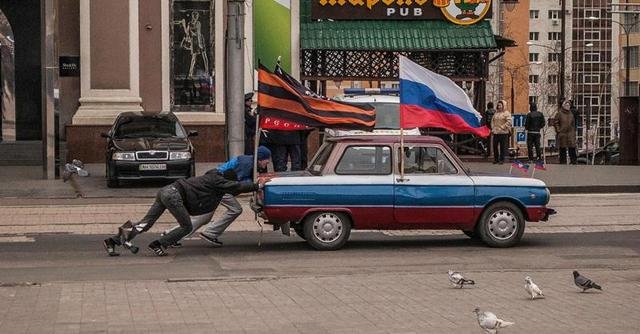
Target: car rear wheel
(501, 225)
(327, 230)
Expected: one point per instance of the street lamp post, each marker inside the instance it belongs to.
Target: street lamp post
(512, 72)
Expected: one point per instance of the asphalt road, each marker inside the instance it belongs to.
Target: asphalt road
(76, 258)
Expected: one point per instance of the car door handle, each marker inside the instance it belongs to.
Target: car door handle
(402, 180)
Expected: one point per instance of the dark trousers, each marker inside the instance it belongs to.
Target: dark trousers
(282, 153)
(573, 158)
(500, 147)
(167, 198)
(533, 140)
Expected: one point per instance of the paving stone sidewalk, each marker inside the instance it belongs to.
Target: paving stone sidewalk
(372, 303)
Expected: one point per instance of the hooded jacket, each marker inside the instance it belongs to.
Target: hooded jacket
(501, 122)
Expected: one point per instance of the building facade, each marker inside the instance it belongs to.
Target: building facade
(592, 68)
(546, 54)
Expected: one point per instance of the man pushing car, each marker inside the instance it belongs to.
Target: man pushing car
(183, 198)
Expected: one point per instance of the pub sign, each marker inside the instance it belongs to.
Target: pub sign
(462, 12)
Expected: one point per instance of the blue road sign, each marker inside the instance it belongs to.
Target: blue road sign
(521, 137)
(518, 120)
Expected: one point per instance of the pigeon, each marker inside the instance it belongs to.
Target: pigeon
(532, 288)
(458, 280)
(489, 322)
(584, 283)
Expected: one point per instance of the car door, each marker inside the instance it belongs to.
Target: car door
(435, 192)
(363, 183)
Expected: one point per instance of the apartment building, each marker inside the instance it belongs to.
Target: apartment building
(546, 52)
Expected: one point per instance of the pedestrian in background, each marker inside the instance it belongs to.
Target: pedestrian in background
(285, 146)
(501, 125)
(488, 115)
(249, 124)
(534, 123)
(565, 125)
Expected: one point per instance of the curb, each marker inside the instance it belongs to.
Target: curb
(595, 189)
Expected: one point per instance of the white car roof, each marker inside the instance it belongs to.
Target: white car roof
(368, 98)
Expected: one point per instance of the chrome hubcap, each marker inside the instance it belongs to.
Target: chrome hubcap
(503, 224)
(327, 227)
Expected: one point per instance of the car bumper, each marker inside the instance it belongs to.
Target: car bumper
(130, 170)
(542, 213)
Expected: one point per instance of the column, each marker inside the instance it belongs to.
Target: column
(109, 61)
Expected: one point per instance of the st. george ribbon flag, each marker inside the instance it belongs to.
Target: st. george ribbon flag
(281, 96)
(428, 99)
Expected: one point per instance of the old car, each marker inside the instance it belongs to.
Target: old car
(148, 146)
(354, 182)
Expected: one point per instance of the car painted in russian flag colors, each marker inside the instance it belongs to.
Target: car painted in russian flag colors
(354, 182)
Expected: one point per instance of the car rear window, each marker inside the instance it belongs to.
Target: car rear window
(152, 126)
(321, 158)
(365, 160)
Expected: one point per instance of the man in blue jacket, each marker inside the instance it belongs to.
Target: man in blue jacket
(243, 167)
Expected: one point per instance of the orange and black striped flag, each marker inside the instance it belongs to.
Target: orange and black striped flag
(282, 96)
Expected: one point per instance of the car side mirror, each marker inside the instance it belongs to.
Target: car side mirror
(104, 135)
(193, 133)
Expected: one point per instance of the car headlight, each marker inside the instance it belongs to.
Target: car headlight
(179, 155)
(123, 156)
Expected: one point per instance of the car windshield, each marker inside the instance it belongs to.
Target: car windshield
(321, 158)
(387, 114)
(148, 126)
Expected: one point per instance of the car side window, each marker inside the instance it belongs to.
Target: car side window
(365, 160)
(427, 160)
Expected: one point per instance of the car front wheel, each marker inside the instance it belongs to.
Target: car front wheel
(327, 230)
(501, 225)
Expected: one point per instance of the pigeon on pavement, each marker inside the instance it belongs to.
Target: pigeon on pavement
(489, 322)
(584, 283)
(458, 280)
(532, 288)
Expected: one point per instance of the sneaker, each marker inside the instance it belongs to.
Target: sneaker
(110, 247)
(157, 249)
(213, 241)
(176, 244)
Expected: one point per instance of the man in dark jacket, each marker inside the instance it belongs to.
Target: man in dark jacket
(534, 123)
(183, 198)
(249, 124)
(486, 120)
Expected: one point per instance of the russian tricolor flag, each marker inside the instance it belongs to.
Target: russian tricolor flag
(428, 99)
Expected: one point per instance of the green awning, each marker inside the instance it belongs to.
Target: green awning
(395, 36)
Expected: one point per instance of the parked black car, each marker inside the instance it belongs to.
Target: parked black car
(148, 146)
(609, 154)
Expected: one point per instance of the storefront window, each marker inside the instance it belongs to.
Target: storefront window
(192, 81)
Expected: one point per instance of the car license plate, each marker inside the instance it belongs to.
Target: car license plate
(153, 166)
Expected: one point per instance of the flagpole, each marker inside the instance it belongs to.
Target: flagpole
(401, 151)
